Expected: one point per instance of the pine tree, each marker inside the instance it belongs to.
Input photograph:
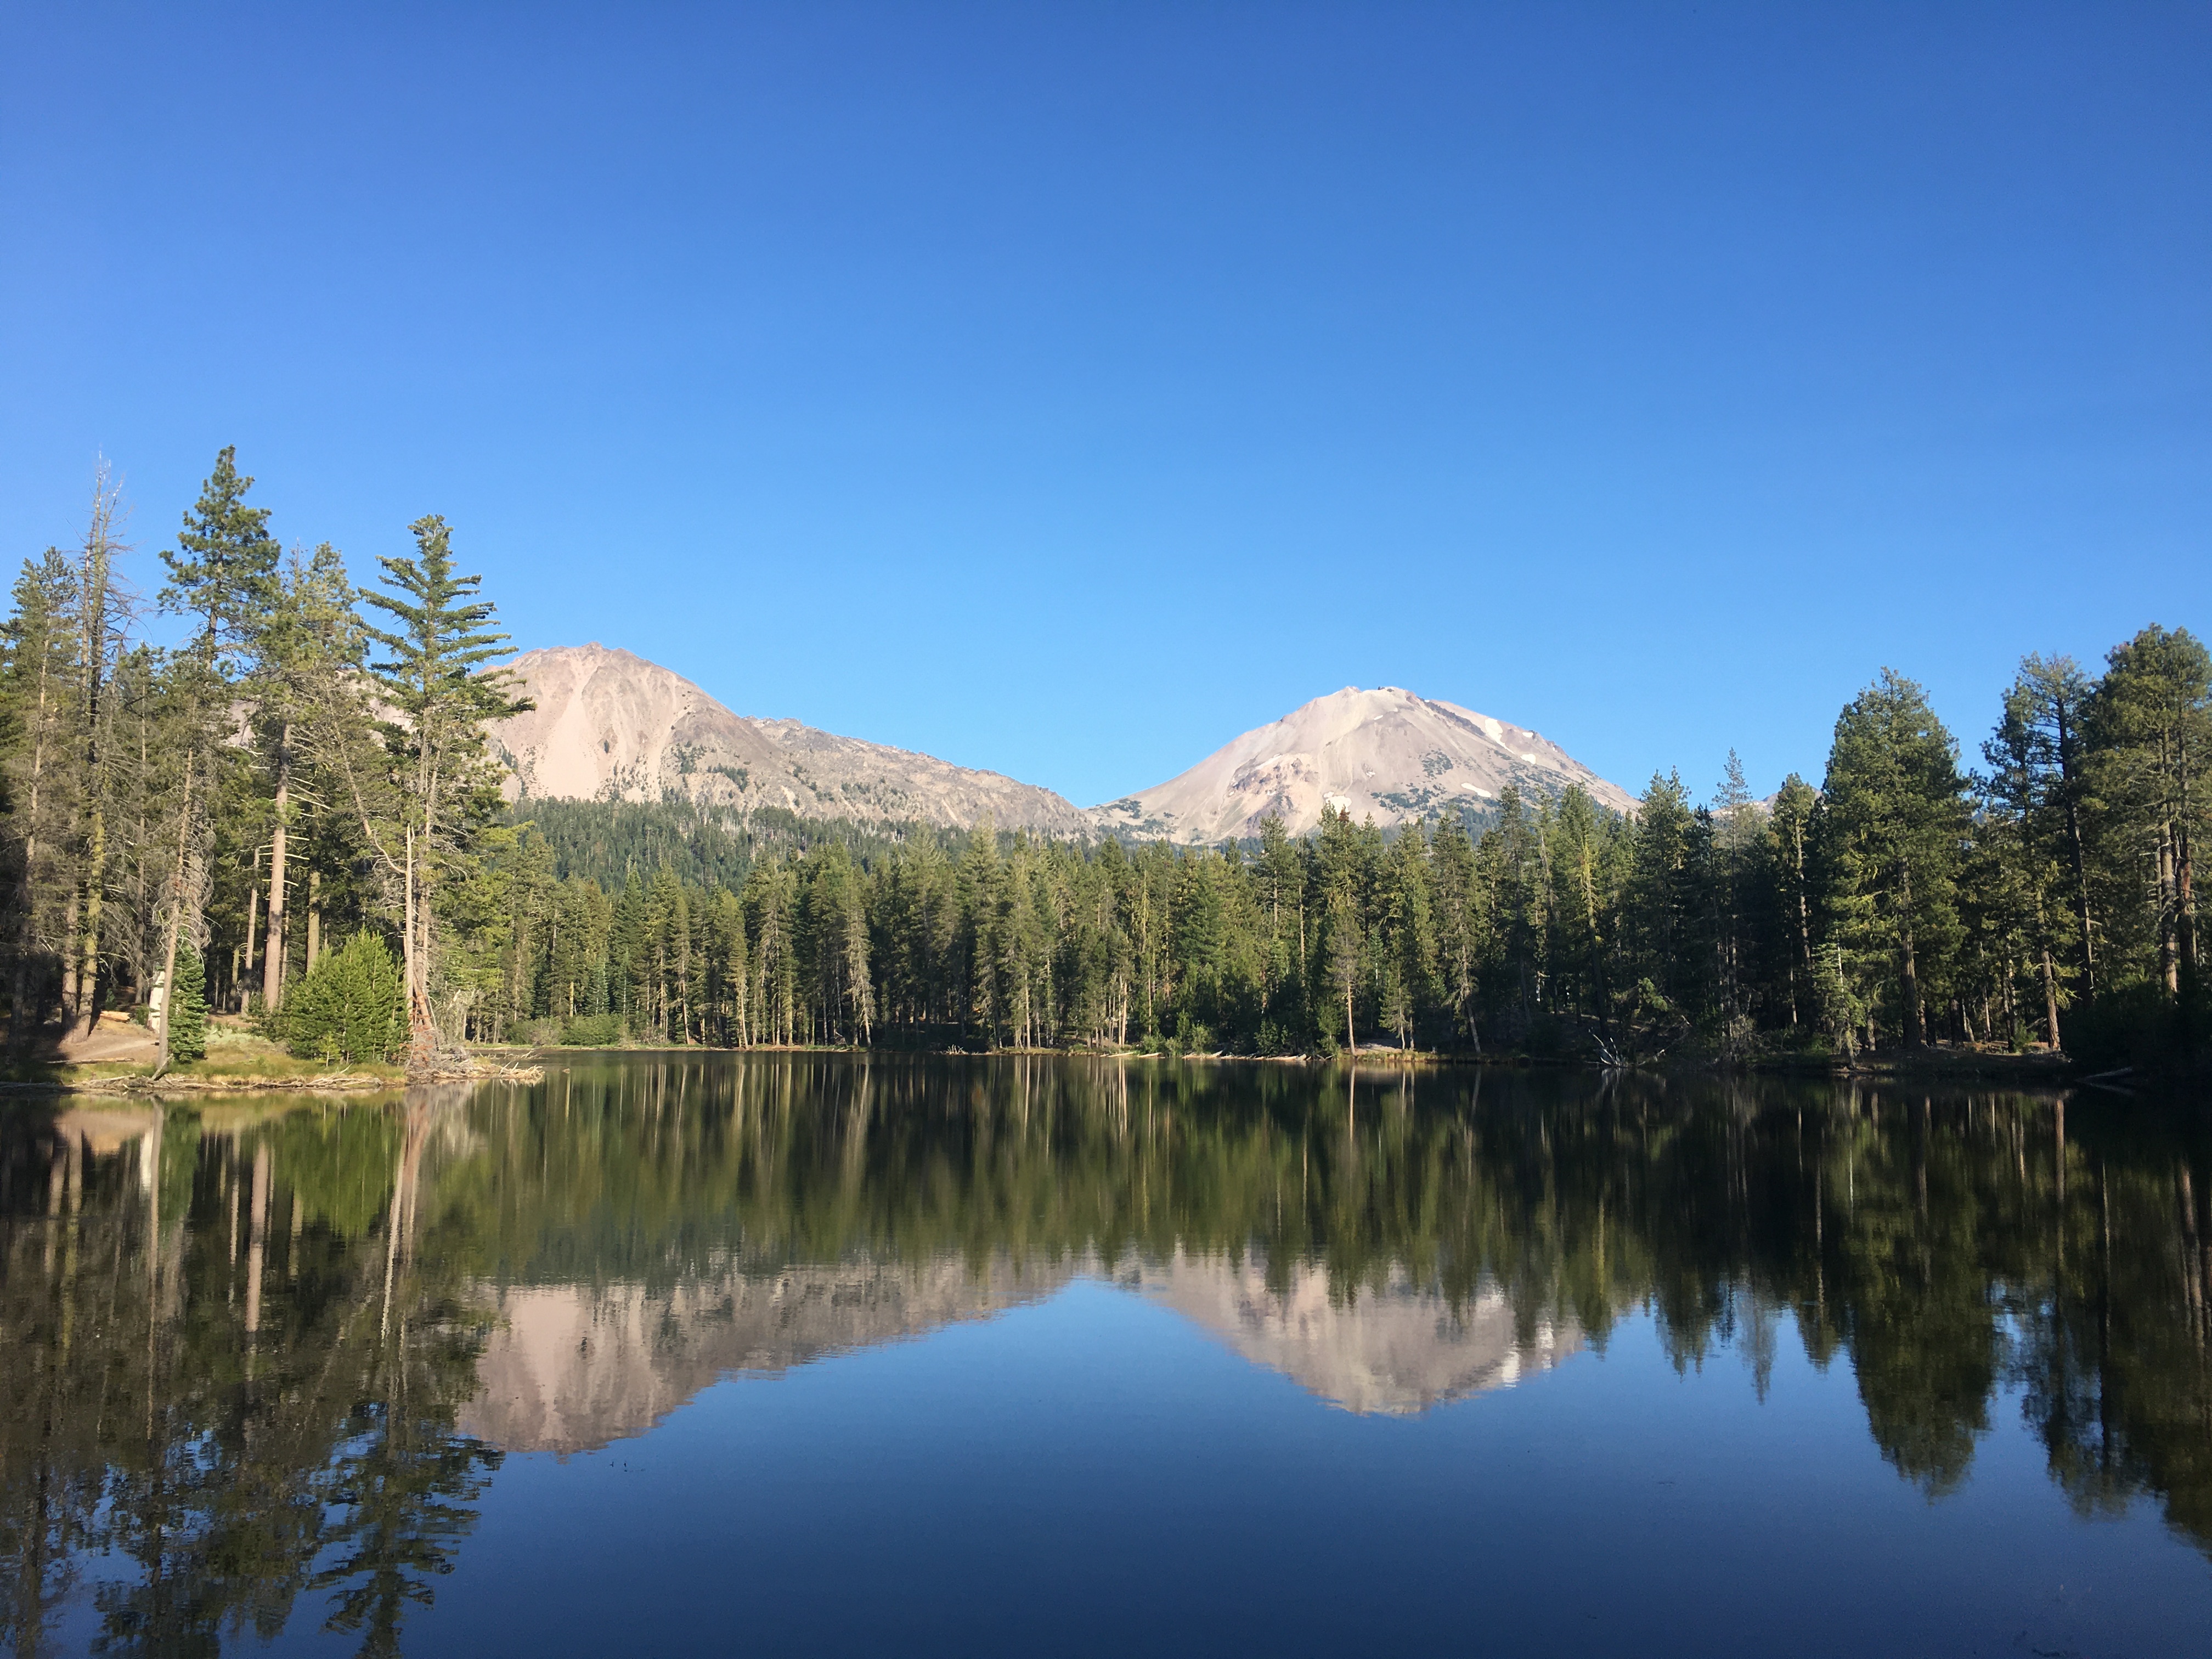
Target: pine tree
(1579, 903)
(977, 950)
(186, 1009)
(1346, 955)
(349, 1006)
(35, 703)
(1409, 946)
(1896, 804)
(2151, 719)
(306, 650)
(2040, 755)
(1281, 875)
(1791, 835)
(1664, 914)
(1463, 923)
(224, 568)
(834, 925)
(1514, 854)
(430, 675)
(1737, 841)
(100, 613)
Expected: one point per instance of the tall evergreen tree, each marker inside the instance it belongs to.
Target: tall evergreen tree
(1664, 917)
(1462, 923)
(223, 573)
(2152, 720)
(1896, 802)
(2040, 754)
(35, 702)
(101, 613)
(308, 642)
(1792, 834)
(223, 569)
(430, 676)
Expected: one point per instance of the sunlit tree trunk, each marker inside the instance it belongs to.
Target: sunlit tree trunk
(272, 970)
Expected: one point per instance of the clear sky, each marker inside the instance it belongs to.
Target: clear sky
(1063, 389)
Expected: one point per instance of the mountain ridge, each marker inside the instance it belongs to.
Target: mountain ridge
(611, 726)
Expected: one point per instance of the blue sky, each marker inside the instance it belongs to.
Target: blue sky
(1064, 389)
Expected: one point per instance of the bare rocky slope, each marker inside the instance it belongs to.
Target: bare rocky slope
(1385, 753)
(610, 725)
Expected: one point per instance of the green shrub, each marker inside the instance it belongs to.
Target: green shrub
(188, 1011)
(2139, 1026)
(348, 1008)
(593, 1031)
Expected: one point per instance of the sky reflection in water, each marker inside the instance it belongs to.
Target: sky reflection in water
(1030, 1356)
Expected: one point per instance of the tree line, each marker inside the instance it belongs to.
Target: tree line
(2045, 899)
(310, 764)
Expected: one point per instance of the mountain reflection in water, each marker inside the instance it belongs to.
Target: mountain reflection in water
(264, 1359)
(571, 1367)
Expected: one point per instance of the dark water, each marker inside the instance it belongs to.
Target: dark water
(787, 1354)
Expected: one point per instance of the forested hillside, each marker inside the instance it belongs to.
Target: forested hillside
(700, 845)
(310, 766)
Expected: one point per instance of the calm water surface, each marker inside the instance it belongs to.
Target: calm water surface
(841, 1355)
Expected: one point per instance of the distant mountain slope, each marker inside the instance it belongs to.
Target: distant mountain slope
(610, 725)
(1385, 752)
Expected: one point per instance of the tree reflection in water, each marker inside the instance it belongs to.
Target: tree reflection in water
(233, 1363)
(244, 1343)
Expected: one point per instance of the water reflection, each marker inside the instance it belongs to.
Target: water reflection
(262, 1361)
(233, 1373)
(571, 1367)
(1395, 1347)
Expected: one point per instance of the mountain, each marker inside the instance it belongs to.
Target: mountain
(610, 725)
(1385, 752)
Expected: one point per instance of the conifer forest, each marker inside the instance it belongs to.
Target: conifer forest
(293, 813)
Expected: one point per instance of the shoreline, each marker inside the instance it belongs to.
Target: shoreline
(492, 1064)
(141, 1085)
(1933, 1065)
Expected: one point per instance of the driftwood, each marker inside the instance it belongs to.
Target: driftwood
(328, 1082)
(140, 1085)
(478, 1071)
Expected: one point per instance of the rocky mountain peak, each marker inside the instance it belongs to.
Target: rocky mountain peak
(1385, 753)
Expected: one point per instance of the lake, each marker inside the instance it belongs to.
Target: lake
(851, 1354)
